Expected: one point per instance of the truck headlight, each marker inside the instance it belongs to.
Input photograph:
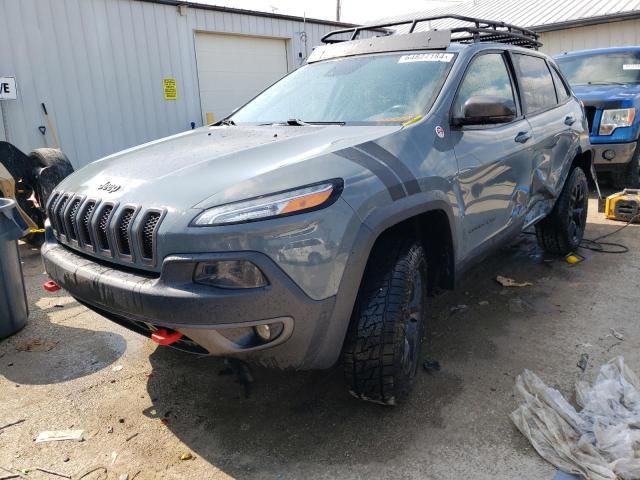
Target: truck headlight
(290, 202)
(619, 117)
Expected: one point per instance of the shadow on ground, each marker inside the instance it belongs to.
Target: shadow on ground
(46, 351)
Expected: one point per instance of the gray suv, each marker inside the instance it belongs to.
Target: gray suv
(314, 223)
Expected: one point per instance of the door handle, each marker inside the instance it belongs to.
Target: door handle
(569, 120)
(523, 137)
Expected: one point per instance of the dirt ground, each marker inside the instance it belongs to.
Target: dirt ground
(142, 407)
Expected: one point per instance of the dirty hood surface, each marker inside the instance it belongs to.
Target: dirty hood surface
(182, 170)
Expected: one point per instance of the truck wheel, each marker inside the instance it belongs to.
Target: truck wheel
(561, 232)
(382, 348)
(628, 176)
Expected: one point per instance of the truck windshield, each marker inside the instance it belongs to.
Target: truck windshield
(371, 89)
(601, 68)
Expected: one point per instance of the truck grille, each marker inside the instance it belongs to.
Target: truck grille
(106, 229)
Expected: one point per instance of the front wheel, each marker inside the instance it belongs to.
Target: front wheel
(382, 349)
(561, 232)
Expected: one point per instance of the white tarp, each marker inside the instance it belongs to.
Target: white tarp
(601, 441)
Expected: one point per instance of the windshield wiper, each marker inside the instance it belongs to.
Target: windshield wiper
(602, 82)
(296, 122)
(227, 121)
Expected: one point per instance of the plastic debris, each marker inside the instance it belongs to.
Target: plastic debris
(483, 302)
(510, 282)
(602, 440)
(616, 334)
(60, 435)
(117, 368)
(186, 456)
(583, 362)
(573, 258)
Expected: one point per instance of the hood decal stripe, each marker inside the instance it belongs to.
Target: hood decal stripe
(394, 163)
(381, 171)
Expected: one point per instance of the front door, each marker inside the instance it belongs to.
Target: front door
(494, 161)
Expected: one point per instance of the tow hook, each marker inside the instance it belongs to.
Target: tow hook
(51, 286)
(164, 337)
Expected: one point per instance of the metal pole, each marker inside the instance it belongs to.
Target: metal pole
(338, 10)
(4, 123)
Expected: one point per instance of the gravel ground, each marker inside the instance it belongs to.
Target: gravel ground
(142, 407)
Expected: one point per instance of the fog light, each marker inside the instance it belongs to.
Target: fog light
(268, 332)
(609, 154)
(229, 274)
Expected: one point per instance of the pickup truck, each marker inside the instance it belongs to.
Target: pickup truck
(607, 81)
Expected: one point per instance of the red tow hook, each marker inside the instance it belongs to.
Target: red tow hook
(51, 286)
(163, 337)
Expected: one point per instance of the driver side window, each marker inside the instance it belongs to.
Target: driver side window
(487, 75)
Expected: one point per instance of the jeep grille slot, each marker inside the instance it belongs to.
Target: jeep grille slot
(73, 212)
(148, 234)
(59, 214)
(51, 212)
(124, 241)
(101, 230)
(83, 224)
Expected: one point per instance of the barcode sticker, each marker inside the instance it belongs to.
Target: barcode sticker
(426, 57)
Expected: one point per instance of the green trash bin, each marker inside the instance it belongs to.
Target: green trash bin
(13, 298)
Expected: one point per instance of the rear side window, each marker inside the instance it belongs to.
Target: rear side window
(561, 88)
(538, 91)
(487, 75)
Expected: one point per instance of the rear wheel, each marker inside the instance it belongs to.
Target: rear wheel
(52, 166)
(561, 232)
(382, 349)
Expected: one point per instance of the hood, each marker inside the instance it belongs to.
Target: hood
(608, 96)
(183, 170)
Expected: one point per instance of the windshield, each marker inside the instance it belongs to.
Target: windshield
(365, 89)
(602, 68)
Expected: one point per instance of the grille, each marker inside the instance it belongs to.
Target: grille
(83, 232)
(626, 210)
(106, 228)
(591, 113)
(148, 231)
(123, 231)
(103, 223)
(59, 214)
(72, 230)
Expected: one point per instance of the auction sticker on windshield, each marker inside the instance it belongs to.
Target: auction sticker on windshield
(426, 57)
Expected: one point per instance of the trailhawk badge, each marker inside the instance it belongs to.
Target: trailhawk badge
(440, 131)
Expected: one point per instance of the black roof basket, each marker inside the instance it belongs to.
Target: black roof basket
(478, 31)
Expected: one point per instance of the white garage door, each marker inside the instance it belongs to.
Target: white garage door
(232, 69)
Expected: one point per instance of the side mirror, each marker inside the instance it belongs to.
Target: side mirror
(487, 110)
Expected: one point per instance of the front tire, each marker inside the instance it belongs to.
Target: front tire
(382, 348)
(561, 232)
(628, 176)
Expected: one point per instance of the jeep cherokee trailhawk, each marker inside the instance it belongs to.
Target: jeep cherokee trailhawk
(313, 223)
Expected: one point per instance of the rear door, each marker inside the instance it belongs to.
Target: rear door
(494, 161)
(554, 117)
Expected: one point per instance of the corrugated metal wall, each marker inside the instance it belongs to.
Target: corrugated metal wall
(613, 34)
(98, 66)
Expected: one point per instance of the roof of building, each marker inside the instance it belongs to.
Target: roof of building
(210, 5)
(538, 15)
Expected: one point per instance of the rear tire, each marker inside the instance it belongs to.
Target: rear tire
(52, 166)
(382, 348)
(561, 232)
(628, 176)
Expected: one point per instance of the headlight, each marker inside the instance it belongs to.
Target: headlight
(612, 119)
(300, 200)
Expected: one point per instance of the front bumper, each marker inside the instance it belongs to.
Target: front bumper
(311, 337)
(622, 154)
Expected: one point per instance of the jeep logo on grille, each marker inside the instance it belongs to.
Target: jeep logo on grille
(109, 187)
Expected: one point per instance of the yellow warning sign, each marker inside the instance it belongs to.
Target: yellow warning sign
(170, 88)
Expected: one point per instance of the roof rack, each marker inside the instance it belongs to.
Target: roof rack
(479, 31)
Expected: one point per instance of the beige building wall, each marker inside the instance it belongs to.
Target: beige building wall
(613, 34)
